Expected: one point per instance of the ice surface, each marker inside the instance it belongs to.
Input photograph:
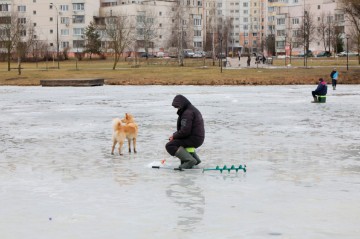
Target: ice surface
(59, 181)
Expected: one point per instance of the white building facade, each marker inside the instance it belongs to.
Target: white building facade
(197, 24)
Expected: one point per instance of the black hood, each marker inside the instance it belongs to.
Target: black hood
(180, 102)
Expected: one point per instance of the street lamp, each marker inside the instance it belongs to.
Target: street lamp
(347, 52)
(57, 34)
(220, 54)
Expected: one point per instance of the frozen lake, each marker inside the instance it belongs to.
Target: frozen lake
(58, 179)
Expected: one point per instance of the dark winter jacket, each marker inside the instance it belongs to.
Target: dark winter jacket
(321, 88)
(190, 122)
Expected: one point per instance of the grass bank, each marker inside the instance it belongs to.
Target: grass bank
(194, 72)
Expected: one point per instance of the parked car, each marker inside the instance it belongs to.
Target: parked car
(160, 54)
(221, 55)
(147, 55)
(344, 53)
(308, 54)
(188, 53)
(324, 54)
(199, 54)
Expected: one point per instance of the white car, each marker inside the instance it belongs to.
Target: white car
(343, 53)
(198, 54)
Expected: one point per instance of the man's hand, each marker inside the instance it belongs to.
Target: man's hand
(171, 138)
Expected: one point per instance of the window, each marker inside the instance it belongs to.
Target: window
(246, 42)
(64, 32)
(160, 13)
(51, 31)
(4, 7)
(318, 6)
(51, 44)
(78, 31)
(197, 22)
(255, 34)
(64, 8)
(79, 19)
(246, 19)
(281, 21)
(78, 7)
(339, 17)
(21, 8)
(246, 27)
(246, 34)
(51, 19)
(160, 36)
(197, 33)
(197, 44)
(254, 42)
(34, 24)
(280, 33)
(246, 12)
(64, 44)
(23, 33)
(295, 21)
(78, 43)
(296, 33)
(65, 20)
(22, 20)
(160, 25)
(245, 4)
(34, 12)
(280, 44)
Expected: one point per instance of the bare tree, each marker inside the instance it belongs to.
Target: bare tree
(119, 31)
(307, 30)
(351, 9)
(146, 29)
(323, 30)
(181, 36)
(11, 29)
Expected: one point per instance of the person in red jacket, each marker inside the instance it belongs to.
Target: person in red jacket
(190, 133)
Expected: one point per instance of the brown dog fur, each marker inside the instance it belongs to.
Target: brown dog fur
(120, 133)
(130, 122)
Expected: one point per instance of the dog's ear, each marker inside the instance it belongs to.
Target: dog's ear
(126, 116)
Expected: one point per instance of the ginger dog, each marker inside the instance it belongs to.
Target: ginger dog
(120, 133)
(130, 122)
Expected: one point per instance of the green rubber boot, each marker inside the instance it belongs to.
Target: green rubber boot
(195, 156)
(187, 161)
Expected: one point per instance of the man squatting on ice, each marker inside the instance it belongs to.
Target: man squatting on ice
(190, 133)
(320, 90)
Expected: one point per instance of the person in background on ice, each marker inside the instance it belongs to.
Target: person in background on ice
(248, 60)
(239, 55)
(320, 90)
(334, 76)
(190, 133)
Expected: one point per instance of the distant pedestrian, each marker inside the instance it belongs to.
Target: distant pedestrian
(248, 61)
(321, 90)
(334, 76)
(239, 54)
(263, 59)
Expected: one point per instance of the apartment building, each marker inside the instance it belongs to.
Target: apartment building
(56, 24)
(198, 24)
(61, 23)
(326, 20)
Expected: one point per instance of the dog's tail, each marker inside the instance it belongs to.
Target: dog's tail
(116, 124)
